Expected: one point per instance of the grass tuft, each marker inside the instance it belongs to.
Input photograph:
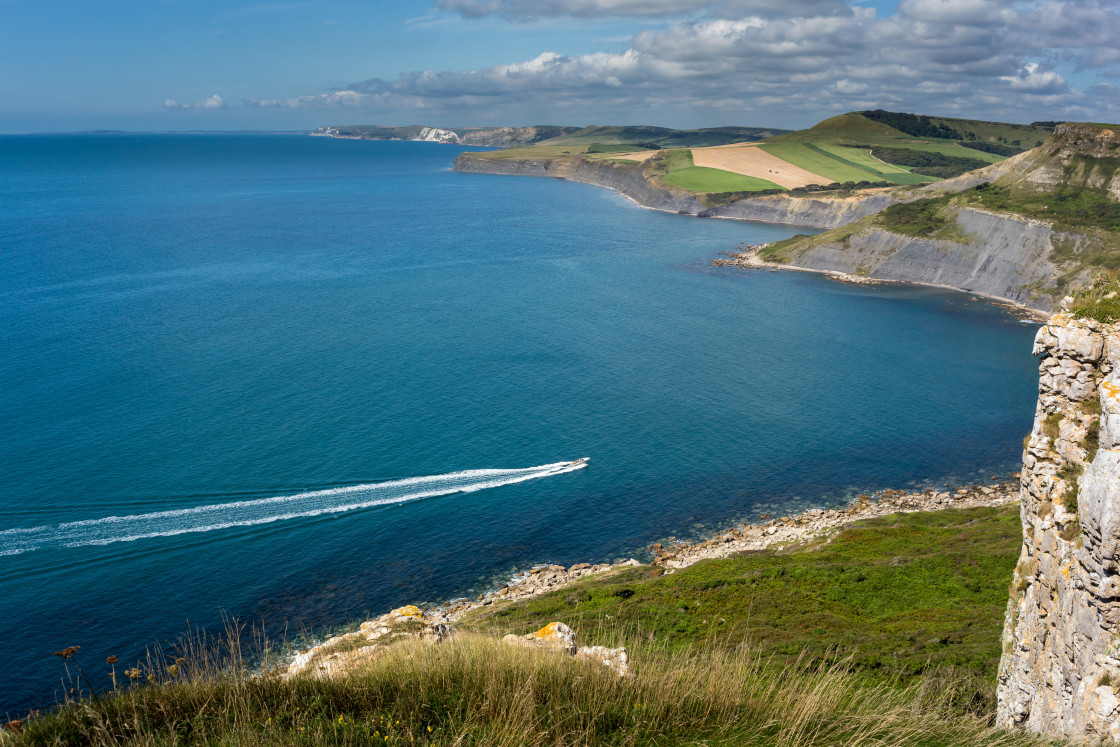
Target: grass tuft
(477, 691)
(1101, 301)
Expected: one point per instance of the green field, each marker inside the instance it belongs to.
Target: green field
(701, 179)
(879, 169)
(808, 157)
(860, 157)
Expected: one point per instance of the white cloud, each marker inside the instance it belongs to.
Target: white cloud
(737, 61)
(214, 102)
(528, 10)
(1030, 79)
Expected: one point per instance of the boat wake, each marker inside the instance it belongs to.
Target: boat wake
(266, 510)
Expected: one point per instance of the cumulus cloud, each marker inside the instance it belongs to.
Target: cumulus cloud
(527, 10)
(214, 102)
(740, 62)
(1035, 81)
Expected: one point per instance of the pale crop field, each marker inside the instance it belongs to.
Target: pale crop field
(753, 161)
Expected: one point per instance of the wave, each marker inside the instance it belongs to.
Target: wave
(112, 529)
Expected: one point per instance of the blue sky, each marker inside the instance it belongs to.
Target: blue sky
(292, 64)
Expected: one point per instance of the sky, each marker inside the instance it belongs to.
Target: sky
(74, 65)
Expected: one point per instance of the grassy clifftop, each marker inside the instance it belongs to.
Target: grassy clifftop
(1065, 194)
(858, 149)
(888, 634)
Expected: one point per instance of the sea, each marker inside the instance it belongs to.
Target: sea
(295, 381)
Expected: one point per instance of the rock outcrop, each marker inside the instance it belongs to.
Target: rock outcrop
(342, 653)
(1060, 671)
(558, 637)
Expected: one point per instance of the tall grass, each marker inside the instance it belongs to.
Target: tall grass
(475, 690)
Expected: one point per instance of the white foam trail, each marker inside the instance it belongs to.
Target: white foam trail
(266, 510)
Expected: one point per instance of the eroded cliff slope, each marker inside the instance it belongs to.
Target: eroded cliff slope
(1028, 229)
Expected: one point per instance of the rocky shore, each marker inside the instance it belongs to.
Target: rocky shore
(817, 523)
(341, 653)
(748, 258)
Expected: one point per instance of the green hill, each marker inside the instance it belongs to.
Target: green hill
(663, 137)
(935, 147)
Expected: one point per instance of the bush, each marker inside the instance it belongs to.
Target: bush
(1101, 301)
(1051, 425)
(918, 218)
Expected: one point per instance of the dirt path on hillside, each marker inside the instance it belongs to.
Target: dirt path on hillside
(641, 155)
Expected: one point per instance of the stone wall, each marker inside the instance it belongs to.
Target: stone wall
(1060, 671)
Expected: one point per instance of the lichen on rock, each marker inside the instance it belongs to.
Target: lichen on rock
(1061, 636)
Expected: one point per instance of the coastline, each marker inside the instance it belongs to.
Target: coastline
(819, 212)
(749, 260)
(813, 524)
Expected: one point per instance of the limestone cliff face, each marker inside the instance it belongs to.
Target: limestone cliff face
(632, 180)
(997, 255)
(1060, 671)
(816, 212)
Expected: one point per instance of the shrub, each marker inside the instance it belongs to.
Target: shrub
(1092, 442)
(1100, 301)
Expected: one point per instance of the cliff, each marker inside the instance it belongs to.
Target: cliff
(995, 255)
(635, 181)
(1060, 671)
(496, 137)
(1028, 229)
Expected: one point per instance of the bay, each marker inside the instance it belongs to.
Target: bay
(287, 323)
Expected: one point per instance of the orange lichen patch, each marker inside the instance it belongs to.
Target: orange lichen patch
(549, 632)
(1110, 389)
(753, 161)
(409, 610)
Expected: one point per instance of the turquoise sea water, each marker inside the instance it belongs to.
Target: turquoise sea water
(226, 360)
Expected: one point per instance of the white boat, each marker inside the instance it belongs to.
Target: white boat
(576, 463)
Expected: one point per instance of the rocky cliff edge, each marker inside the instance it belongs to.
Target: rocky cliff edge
(1060, 671)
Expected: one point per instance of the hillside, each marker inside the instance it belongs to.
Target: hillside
(887, 147)
(888, 634)
(1028, 229)
(850, 152)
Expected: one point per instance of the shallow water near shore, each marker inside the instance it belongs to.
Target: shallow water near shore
(257, 373)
